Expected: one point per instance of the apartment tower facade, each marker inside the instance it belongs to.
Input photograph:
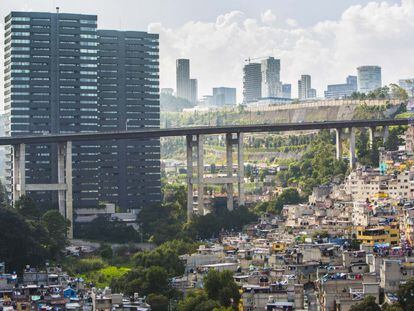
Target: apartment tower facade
(59, 80)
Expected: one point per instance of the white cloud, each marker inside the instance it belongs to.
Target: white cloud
(291, 22)
(268, 17)
(377, 33)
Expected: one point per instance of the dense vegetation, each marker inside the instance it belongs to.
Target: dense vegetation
(171, 103)
(30, 235)
(105, 230)
(220, 293)
(317, 166)
(392, 91)
(167, 221)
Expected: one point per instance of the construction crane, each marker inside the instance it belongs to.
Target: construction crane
(255, 58)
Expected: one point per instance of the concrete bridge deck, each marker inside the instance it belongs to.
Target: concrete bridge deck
(200, 130)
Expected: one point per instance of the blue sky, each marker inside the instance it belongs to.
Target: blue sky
(325, 38)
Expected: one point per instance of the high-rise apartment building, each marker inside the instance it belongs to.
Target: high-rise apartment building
(304, 87)
(183, 78)
(286, 91)
(252, 82)
(128, 99)
(271, 85)
(193, 91)
(64, 76)
(369, 78)
(51, 87)
(337, 91)
(224, 96)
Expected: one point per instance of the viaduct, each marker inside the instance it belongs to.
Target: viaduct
(195, 138)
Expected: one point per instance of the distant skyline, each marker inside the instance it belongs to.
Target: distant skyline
(323, 38)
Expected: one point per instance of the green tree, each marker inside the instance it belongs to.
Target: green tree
(220, 286)
(4, 200)
(197, 301)
(27, 208)
(106, 251)
(57, 227)
(155, 280)
(406, 295)
(393, 141)
(157, 302)
(368, 304)
(21, 242)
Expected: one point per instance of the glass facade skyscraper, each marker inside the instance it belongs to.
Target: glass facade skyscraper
(369, 78)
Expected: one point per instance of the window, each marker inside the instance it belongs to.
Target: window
(68, 20)
(88, 80)
(20, 19)
(21, 56)
(21, 34)
(87, 36)
(20, 41)
(88, 43)
(20, 71)
(88, 21)
(88, 72)
(88, 65)
(20, 48)
(89, 57)
(87, 29)
(41, 19)
(41, 41)
(88, 51)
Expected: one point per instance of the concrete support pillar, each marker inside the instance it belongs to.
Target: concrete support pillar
(69, 188)
(19, 171)
(371, 133)
(200, 174)
(229, 158)
(61, 178)
(16, 173)
(189, 177)
(352, 148)
(386, 133)
(338, 133)
(240, 168)
(22, 170)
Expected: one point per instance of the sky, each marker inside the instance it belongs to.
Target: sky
(327, 39)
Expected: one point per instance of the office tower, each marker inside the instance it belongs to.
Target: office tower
(252, 82)
(369, 78)
(304, 87)
(128, 76)
(337, 91)
(51, 87)
(186, 88)
(286, 90)
(193, 91)
(271, 85)
(407, 85)
(224, 96)
(183, 78)
(312, 93)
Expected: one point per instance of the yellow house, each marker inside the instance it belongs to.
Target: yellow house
(278, 247)
(379, 234)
